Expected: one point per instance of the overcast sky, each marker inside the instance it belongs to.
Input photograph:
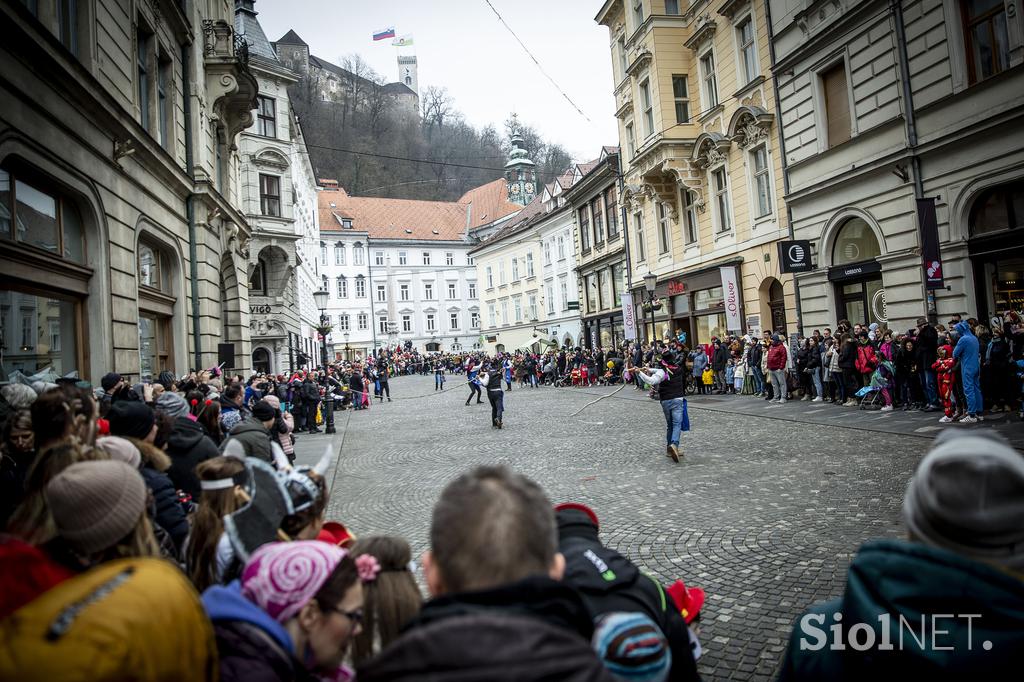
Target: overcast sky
(461, 45)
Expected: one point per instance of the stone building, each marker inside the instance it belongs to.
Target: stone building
(119, 181)
(892, 111)
(278, 200)
(702, 166)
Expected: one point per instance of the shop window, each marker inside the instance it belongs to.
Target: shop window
(855, 242)
(32, 214)
(997, 209)
(37, 331)
(705, 299)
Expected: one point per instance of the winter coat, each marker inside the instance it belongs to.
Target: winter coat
(187, 446)
(778, 357)
(966, 352)
(254, 437)
(813, 358)
(927, 346)
(283, 427)
(535, 629)
(720, 358)
(310, 392)
(169, 514)
(230, 414)
(700, 361)
(848, 355)
(755, 354)
(998, 354)
(907, 580)
(866, 359)
(252, 645)
(627, 590)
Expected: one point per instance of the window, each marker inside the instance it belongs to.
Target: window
(671, 6)
(382, 325)
(67, 21)
(363, 321)
(339, 254)
(472, 289)
(343, 322)
(664, 230)
(266, 116)
(41, 219)
(152, 270)
(762, 183)
(748, 49)
(504, 312)
(452, 291)
(517, 307)
(430, 322)
(515, 269)
(270, 195)
(604, 289)
(257, 280)
(163, 110)
(360, 287)
(403, 258)
(449, 258)
(490, 278)
(648, 107)
(596, 210)
(854, 243)
(357, 254)
(142, 40)
(547, 252)
(618, 284)
(501, 272)
(474, 320)
(378, 258)
(641, 251)
(453, 320)
(561, 247)
(529, 264)
(403, 292)
(584, 224)
(155, 310)
(690, 225)
(549, 297)
(323, 254)
(563, 292)
(630, 140)
(681, 95)
(492, 317)
(531, 307)
(638, 13)
(837, 104)
(591, 292)
(721, 186)
(323, 284)
(985, 38)
(707, 72)
(406, 323)
(342, 287)
(428, 291)
(382, 293)
(426, 258)
(623, 58)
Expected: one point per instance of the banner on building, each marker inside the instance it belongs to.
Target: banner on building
(795, 256)
(628, 317)
(731, 294)
(930, 244)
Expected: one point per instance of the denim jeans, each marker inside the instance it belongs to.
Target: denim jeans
(533, 379)
(778, 383)
(673, 410)
(758, 379)
(928, 385)
(816, 379)
(438, 381)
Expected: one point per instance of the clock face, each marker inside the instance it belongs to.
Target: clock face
(529, 187)
(514, 189)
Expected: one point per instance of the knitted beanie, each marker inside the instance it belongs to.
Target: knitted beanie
(263, 411)
(96, 504)
(121, 449)
(632, 647)
(131, 418)
(281, 577)
(172, 404)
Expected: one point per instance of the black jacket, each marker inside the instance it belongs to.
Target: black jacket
(720, 358)
(612, 583)
(535, 629)
(756, 352)
(927, 346)
(169, 514)
(848, 356)
(187, 446)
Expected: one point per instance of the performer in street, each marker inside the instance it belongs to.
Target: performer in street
(670, 378)
(472, 375)
(491, 378)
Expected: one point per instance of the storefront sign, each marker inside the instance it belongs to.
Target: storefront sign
(854, 270)
(795, 256)
(878, 306)
(259, 309)
(628, 317)
(754, 325)
(731, 294)
(676, 287)
(930, 244)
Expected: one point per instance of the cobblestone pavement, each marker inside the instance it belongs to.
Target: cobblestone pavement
(765, 514)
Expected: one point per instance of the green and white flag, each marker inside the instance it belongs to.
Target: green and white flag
(404, 41)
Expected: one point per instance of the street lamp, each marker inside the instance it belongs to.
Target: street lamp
(321, 298)
(347, 354)
(650, 284)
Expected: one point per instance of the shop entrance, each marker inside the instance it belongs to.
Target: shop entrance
(860, 296)
(261, 361)
(996, 251)
(777, 304)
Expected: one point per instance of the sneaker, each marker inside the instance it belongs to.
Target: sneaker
(887, 408)
(673, 452)
(819, 399)
(781, 401)
(945, 420)
(969, 419)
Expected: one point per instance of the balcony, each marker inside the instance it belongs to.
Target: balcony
(230, 86)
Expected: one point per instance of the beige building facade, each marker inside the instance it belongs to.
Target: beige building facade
(702, 173)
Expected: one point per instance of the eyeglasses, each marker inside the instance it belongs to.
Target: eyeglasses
(355, 616)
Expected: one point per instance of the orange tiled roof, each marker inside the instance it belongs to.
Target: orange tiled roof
(394, 218)
(489, 203)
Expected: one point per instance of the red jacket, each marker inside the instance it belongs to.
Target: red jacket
(866, 359)
(777, 356)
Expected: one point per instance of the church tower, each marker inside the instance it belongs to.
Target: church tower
(407, 73)
(520, 173)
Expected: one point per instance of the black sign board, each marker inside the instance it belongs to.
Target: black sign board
(795, 256)
(226, 355)
(932, 261)
(854, 270)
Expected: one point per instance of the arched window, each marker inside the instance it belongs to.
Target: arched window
(261, 360)
(855, 242)
(258, 280)
(998, 208)
(157, 297)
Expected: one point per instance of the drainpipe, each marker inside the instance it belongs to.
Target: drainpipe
(190, 208)
(782, 153)
(625, 240)
(369, 280)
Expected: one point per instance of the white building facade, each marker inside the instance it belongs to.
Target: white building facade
(559, 306)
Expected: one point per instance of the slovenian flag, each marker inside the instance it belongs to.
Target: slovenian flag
(388, 32)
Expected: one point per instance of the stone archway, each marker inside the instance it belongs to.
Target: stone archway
(772, 300)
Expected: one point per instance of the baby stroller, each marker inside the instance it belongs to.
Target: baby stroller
(871, 396)
(563, 380)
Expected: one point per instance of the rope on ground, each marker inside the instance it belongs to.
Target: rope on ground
(592, 402)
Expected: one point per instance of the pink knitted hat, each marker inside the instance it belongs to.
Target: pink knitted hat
(282, 577)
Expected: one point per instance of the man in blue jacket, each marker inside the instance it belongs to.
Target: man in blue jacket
(968, 357)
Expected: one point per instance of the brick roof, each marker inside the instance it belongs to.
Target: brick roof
(489, 203)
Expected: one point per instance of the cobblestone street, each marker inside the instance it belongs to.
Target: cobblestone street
(764, 514)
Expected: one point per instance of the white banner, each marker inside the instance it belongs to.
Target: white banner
(628, 317)
(731, 294)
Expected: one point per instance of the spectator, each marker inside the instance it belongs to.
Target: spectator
(209, 557)
(498, 611)
(187, 445)
(777, 360)
(968, 357)
(17, 452)
(283, 427)
(253, 433)
(232, 410)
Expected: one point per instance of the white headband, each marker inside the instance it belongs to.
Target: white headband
(219, 484)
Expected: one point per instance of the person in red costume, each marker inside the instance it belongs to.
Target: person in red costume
(944, 372)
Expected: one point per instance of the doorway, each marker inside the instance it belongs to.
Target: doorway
(777, 304)
(261, 361)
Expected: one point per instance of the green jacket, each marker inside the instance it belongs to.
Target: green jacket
(254, 437)
(900, 582)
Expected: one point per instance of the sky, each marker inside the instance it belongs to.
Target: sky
(461, 45)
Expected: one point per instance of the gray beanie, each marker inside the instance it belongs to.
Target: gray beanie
(18, 396)
(172, 404)
(96, 504)
(967, 496)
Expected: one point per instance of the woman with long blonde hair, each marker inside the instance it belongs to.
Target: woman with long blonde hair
(208, 555)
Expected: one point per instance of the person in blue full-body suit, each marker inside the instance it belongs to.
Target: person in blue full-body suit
(968, 356)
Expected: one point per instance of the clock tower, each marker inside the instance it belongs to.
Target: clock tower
(520, 173)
